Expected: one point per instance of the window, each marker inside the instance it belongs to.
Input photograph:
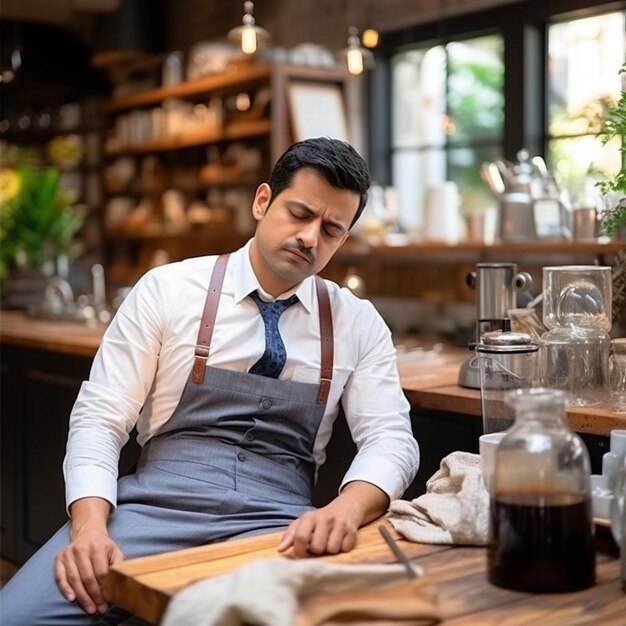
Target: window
(512, 77)
(584, 58)
(447, 118)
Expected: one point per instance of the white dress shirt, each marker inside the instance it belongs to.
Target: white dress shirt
(146, 356)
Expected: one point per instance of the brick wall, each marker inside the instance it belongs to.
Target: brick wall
(292, 22)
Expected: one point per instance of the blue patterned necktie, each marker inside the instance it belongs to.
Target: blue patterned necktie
(273, 359)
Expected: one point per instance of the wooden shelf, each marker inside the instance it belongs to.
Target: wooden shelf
(206, 232)
(129, 254)
(138, 189)
(247, 130)
(238, 76)
(357, 248)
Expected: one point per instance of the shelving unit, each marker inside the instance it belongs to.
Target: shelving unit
(216, 166)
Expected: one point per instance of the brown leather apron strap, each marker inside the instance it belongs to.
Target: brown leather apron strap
(201, 353)
(326, 338)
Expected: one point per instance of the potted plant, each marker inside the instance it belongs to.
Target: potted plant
(38, 222)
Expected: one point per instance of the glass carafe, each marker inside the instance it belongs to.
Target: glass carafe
(540, 526)
(575, 349)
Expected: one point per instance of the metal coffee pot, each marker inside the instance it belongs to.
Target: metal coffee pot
(528, 198)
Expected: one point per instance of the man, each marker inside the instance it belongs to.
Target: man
(233, 408)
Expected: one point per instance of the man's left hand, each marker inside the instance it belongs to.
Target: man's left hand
(333, 528)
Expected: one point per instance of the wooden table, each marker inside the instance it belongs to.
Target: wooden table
(145, 585)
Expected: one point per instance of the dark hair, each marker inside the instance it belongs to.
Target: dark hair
(337, 160)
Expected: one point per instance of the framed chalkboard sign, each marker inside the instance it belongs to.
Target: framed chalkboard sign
(317, 109)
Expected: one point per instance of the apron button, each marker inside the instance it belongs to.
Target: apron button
(241, 456)
(249, 436)
(266, 404)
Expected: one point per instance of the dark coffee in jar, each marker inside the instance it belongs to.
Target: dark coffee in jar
(541, 542)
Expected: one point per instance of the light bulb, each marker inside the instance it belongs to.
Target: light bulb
(370, 38)
(248, 40)
(355, 61)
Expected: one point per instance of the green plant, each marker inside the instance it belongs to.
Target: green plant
(614, 215)
(38, 221)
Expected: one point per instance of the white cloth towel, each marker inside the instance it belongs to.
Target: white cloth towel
(268, 592)
(454, 509)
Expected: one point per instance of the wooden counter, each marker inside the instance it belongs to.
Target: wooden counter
(434, 387)
(429, 381)
(465, 597)
(63, 337)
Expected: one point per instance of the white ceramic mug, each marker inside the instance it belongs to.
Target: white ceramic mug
(487, 446)
(618, 517)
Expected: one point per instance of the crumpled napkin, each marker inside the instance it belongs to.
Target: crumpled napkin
(454, 509)
(268, 592)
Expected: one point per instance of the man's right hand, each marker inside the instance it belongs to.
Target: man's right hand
(81, 566)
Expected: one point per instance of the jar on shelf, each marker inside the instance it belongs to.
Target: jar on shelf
(540, 526)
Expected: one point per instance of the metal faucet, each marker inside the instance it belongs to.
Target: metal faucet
(58, 294)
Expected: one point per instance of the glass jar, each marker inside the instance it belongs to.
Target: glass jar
(507, 360)
(576, 360)
(540, 523)
(617, 376)
(575, 349)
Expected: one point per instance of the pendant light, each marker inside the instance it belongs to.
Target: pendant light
(355, 55)
(249, 35)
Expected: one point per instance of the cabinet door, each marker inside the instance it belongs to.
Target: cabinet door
(9, 412)
(49, 386)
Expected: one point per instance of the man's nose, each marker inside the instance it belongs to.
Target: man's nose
(309, 234)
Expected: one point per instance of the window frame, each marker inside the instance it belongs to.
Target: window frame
(523, 26)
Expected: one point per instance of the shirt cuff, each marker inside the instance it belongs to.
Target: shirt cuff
(381, 472)
(90, 482)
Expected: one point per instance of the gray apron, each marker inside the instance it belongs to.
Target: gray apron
(235, 458)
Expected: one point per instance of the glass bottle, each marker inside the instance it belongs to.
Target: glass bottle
(540, 526)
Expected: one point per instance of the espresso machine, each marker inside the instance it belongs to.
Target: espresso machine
(496, 286)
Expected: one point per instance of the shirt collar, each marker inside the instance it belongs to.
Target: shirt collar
(245, 281)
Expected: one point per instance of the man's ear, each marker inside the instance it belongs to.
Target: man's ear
(261, 201)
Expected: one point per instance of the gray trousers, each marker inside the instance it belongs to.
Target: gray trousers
(159, 510)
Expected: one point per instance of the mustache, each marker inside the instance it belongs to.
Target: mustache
(307, 253)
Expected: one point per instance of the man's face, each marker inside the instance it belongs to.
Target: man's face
(299, 233)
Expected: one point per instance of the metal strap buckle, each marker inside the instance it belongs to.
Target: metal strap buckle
(201, 352)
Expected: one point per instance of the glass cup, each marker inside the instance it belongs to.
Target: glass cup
(617, 376)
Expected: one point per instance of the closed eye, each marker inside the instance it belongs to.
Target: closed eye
(332, 230)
